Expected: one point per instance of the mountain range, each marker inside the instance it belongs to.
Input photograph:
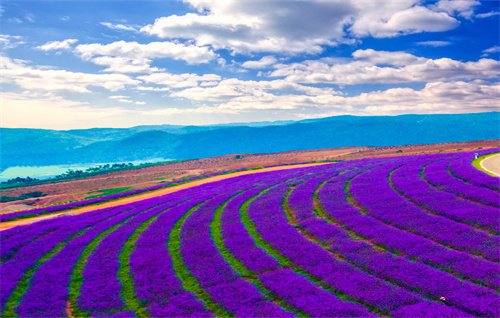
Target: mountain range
(40, 147)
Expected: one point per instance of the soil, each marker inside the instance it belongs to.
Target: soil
(79, 189)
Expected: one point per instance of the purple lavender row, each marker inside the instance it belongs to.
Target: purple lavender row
(315, 301)
(438, 175)
(48, 293)
(13, 270)
(337, 206)
(221, 282)
(292, 288)
(156, 284)
(30, 232)
(463, 169)
(383, 204)
(406, 180)
(236, 238)
(416, 276)
(72, 205)
(101, 290)
(269, 218)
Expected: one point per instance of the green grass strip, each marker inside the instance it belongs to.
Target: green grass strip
(18, 293)
(477, 163)
(238, 266)
(285, 262)
(124, 275)
(77, 274)
(189, 282)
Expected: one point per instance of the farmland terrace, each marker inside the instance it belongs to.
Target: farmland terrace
(401, 236)
(109, 183)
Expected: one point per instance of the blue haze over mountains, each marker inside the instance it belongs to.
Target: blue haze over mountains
(40, 147)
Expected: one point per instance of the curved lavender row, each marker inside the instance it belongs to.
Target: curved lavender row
(101, 289)
(237, 239)
(269, 218)
(419, 277)
(437, 174)
(13, 270)
(463, 169)
(337, 206)
(298, 291)
(406, 180)
(282, 283)
(27, 233)
(382, 203)
(429, 309)
(72, 205)
(48, 293)
(222, 283)
(156, 285)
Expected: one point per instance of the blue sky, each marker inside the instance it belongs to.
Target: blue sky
(82, 64)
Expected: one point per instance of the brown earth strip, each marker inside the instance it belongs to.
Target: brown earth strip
(148, 195)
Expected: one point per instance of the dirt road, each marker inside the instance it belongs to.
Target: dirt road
(148, 195)
(492, 164)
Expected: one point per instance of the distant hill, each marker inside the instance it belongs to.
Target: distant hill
(36, 147)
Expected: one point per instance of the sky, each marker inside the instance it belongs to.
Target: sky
(83, 64)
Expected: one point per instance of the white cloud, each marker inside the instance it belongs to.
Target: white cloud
(10, 41)
(415, 19)
(464, 8)
(434, 43)
(57, 45)
(181, 80)
(15, 20)
(31, 110)
(487, 14)
(439, 97)
(235, 90)
(397, 67)
(263, 26)
(30, 17)
(293, 27)
(122, 27)
(132, 57)
(262, 63)
(494, 49)
(50, 80)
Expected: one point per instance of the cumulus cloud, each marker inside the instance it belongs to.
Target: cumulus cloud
(39, 78)
(181, 80)
(415, 19)
(133, 57)
(57, 45)
(371, 66)
(233, 90)
(263, 26)
(437, 97)
(262, 63)
(286, 27)
(464, 8)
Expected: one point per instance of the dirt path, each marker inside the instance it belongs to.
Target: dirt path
(492, 164)
(148, 195)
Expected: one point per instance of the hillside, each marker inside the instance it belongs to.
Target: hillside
(35, 147)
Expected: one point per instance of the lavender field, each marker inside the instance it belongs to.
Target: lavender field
(412, 236)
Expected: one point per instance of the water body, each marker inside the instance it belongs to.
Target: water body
(45, 172)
